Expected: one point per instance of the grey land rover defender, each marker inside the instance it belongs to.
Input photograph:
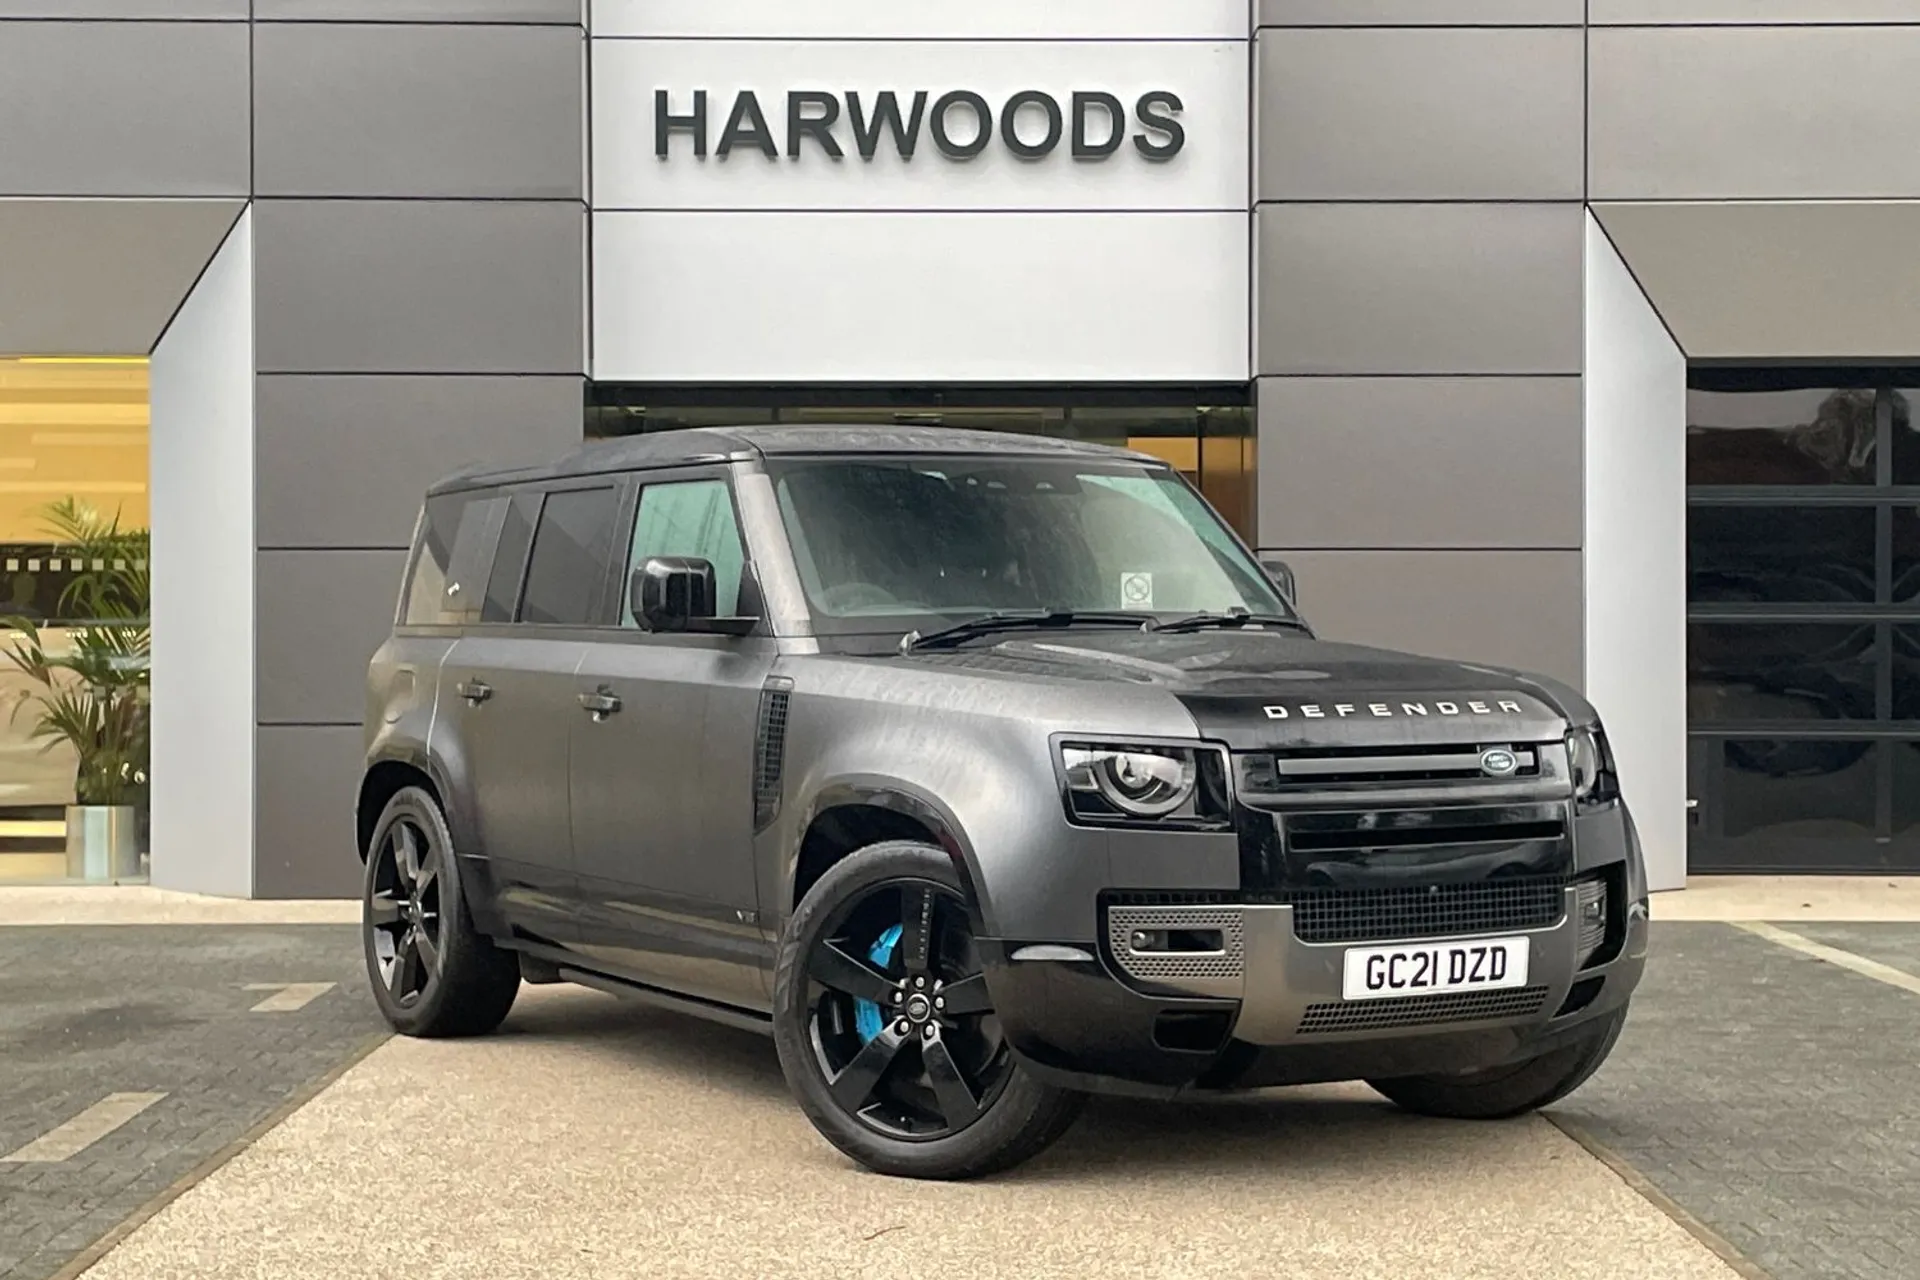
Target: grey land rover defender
(982, 771)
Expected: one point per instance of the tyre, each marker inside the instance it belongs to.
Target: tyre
(432, 973)
(886, 1031)
(1503, 1092)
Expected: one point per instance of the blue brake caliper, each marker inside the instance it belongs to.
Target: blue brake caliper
(866, 1014)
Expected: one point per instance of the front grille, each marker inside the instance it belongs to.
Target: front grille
(1427, 911)
(1322, 768)
(1413, 1011)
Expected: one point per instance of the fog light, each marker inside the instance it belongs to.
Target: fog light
(1590, 915)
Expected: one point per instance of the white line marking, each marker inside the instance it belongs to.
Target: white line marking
(85, 1129)
(288, 996)
(1833, 955)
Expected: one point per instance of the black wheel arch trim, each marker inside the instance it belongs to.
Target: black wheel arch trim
(478, 887)
(905, 799)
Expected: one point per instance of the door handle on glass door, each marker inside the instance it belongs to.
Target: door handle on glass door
(601, 704)
(474, 691)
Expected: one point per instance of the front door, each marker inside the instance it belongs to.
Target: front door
(662, 753)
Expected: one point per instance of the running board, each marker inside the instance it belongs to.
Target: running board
(713, 1012)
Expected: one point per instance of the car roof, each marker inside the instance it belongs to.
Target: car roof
(745, 443)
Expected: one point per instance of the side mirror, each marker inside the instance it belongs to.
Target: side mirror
(671, 593)
(1281, 574)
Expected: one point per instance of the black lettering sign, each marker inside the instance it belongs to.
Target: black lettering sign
(747, 127)
(1010, 124)
(803, 124)
(1376, 972)
(666, 124)
(1155, 114)
(1084, 147)
(1456, 966)
(886, 115)
(1497, 968)
(943, 137)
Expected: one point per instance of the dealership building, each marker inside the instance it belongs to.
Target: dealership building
(1573, 335)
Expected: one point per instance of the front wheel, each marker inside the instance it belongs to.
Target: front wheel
(1503, 1092)
(886, 1031)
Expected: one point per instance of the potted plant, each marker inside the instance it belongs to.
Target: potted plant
(92, 691)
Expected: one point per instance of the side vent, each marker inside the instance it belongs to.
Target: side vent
(770, 750)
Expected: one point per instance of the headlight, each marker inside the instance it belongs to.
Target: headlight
(1589, 765)
(1122, 783)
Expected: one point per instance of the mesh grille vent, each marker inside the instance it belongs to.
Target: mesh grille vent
(1414, 1011)
(770, 751)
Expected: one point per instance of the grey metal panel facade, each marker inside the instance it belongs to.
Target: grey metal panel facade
(415, 426)
(1415, 13)
(123, 109)
(1441, 114)
(158, 10)
(1511, 608)
(321, 616)
(1369, 463)
(1748, 12)
(304, 782)
(554, 12)
(1754, 113)
(410, 286)
(459, 111)
(1419, 288)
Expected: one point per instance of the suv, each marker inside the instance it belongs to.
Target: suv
(983, 772)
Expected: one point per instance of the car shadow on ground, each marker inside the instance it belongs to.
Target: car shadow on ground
(1328, 1130)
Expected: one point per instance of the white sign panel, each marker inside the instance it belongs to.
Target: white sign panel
(920, 297)
(920, 124)
(1072, 19)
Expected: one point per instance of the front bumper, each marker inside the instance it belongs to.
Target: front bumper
(1267, 1007)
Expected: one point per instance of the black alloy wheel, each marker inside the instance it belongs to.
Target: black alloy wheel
(886, 1028)
(902, 1027)
(403, 912)
(432, 972)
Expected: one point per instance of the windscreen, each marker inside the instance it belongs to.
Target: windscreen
(885, 541)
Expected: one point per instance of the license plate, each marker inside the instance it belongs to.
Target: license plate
(1431, 968)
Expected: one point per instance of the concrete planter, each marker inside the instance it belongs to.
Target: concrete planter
(103, 843)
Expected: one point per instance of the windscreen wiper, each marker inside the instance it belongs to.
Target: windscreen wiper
(1041, 619)
(1232, 619)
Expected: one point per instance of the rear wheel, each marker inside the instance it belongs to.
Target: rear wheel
(886, 1031)
(433, 973)
(1502, 1092)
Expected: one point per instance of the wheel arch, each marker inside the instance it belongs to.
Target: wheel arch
(850, 814)
(399, 766)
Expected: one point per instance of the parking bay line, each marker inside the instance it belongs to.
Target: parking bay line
(76, 1135)
(288, 996)
(1833, 955)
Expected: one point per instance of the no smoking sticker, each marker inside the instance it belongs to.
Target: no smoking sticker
(1136, 591)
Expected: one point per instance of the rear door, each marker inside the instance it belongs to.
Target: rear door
(662, 787)
(507, 695)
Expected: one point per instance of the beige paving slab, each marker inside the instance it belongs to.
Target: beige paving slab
(1780, 899)
(144, 904)
(599, 1139)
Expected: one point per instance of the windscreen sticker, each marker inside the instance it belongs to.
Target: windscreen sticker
(1136, 591)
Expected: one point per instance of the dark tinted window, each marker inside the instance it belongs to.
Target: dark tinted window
(450, 519)
(510, 560)
(1798, 436)
(569, 561)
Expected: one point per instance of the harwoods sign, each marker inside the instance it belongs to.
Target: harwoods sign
(961, 124)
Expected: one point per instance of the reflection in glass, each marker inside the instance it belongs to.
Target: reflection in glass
(1740, 672)
(1799, 789)
(1779, 555)
(1799, 437)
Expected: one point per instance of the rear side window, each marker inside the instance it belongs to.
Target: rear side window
(568, 567)
(453, 542)
(510, 561)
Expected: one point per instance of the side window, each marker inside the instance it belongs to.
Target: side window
(454, 532)
(568, 565)
(689, 518)
(510, 560)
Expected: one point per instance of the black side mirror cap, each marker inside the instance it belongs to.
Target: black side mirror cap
(1280, 573)
(676, 594)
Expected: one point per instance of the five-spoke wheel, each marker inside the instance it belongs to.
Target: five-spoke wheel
(887, 1031)
(433, 973)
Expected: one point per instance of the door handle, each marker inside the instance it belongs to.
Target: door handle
(601, 704)
(474, 691)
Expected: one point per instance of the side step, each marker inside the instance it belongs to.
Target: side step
(721, 1013)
